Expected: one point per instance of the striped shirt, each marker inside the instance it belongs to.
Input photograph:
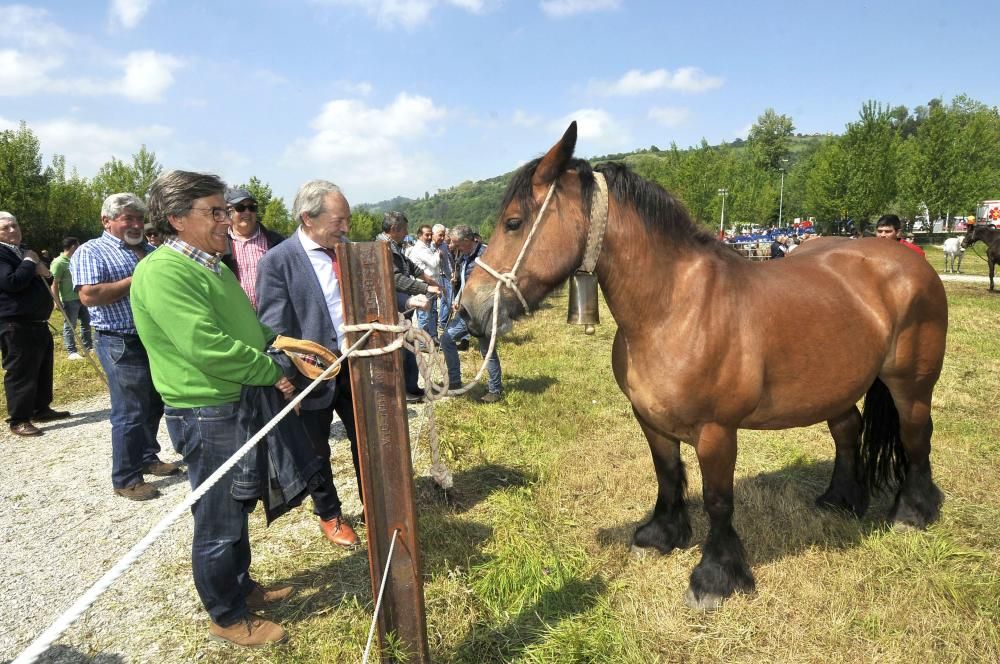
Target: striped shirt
(205, 259)
(247, 253)
(104, 260)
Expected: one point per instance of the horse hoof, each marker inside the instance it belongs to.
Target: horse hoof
(708, 602)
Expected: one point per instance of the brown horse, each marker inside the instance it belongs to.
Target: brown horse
(988, 236)
(700, 346)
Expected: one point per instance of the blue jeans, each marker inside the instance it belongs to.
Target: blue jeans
(457, 329)
(136, 407)
(428, 320)
(75, 310)
(444, 303)
(220, 552)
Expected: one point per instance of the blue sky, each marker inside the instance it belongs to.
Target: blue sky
(399, 97)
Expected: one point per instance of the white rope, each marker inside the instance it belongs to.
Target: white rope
(381, 592)
(68, 617)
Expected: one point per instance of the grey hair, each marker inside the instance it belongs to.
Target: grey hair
(115, 204)
(438, 228)
(462, 232)
(310, 197)
(172, 194)
(4, 216)
(393, 221)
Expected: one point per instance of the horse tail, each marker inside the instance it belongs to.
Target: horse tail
(883, 458)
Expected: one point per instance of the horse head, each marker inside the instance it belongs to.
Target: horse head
(538, 240)
(971, 236)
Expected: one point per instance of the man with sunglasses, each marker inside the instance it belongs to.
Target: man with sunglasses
(248, 240)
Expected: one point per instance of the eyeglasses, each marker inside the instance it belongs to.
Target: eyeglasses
(241, 207)
(219, 215)
(152, 233)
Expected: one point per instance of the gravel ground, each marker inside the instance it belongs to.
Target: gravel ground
(62, 528)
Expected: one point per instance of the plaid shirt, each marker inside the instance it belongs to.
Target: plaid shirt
(105, 260)
(247, 254)
(210, 261)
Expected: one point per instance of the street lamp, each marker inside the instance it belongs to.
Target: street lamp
(722, 220)
(781, 196)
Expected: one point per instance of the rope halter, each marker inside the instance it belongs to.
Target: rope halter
(595, 239)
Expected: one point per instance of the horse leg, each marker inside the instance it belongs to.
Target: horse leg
(669, 528)
(847, 490)
(723, 568)
(918, 501)
(992, 263)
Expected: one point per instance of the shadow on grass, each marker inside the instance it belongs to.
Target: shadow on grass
(65, 655)
(508, 642)
(519, 338)
(471, 487)
(776, 516)
(533, 385)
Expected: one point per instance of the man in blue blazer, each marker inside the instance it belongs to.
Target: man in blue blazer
(298, 295)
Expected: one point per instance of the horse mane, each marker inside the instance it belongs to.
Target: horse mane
(661, 213)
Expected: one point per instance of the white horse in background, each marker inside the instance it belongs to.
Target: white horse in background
(953, 253)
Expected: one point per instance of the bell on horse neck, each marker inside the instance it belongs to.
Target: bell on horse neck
(583, 301)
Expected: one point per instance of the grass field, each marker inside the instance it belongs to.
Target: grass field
(527, 558)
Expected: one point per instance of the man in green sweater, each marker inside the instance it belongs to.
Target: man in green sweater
(204, 344)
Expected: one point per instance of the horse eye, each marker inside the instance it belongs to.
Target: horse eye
(512, 224)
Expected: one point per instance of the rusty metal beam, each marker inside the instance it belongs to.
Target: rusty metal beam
(384, 447)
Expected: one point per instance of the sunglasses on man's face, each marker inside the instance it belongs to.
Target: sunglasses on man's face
(243, 207)
(152, 233)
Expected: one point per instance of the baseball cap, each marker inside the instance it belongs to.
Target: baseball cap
(234, 196)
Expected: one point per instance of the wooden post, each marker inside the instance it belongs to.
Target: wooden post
(384, 447)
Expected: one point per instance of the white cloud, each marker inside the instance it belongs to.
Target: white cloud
(408, 14)
(30, 27)
(362, 88)
(596, 130)
(744, 131)
(363, 146)
(88, 145)
(128, 13)
(22, 75)
(669, 116)
(563, 8)
(635, 81)
(148, 75)
(522, 119)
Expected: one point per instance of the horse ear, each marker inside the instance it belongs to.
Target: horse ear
(554, 162)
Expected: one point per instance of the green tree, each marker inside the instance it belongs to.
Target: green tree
(145, 169)
(23, 185)
(870, 147)
(768, 139)
(365, 225)
(261, 192)
(277, 218)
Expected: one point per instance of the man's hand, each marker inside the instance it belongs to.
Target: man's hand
(418, 302)
(433, 290)
(41, 270)
(285, 387)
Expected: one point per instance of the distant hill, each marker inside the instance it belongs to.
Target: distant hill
(478, 203)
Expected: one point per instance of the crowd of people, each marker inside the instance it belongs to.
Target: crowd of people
(182, 298)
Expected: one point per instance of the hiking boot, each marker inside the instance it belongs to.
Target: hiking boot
(139, 491)
(491, 397)
(251, 632)
(161, 469)
(260, 597)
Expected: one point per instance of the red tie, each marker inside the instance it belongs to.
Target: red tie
(333, 258)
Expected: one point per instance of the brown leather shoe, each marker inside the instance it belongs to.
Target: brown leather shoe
(140, 491)
(161, 469)
(260, 597)
(252, 632)
(338, 531)
(48, 415)
(25, 429)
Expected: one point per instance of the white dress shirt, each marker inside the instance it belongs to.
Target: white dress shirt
(329, 283)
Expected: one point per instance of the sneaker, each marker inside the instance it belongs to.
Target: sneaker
(491, 397)
(139, 491)
(260, 597)
(74, 356)
(161, 469)
(251, 632)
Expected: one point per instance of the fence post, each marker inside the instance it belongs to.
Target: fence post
(384, 448)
